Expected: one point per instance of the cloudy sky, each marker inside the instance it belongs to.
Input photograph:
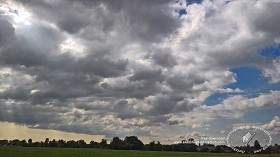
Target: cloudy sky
(159, 69)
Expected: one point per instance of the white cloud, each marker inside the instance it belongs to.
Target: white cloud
(273, 126)
(273, 71)
(231, 108)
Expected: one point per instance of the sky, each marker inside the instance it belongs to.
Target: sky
(159, 69)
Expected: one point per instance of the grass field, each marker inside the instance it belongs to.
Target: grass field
(74, 152)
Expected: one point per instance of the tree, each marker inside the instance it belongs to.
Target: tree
(61, 143)
(133, 143)
(29, 142)
(37, 144)
(276, 149)
(94, 144)
(158, 146)
(70, 144)
(81, 144)
(47, 140)
(4, 142)
(153, 146)
(103, 143)
(16, 142)
(53, 143)
(116, 143)
(23, 143)
(218, 149)
(257, 145)
(167, 147)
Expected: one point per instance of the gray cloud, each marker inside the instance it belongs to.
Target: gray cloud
(164, 58)
(7, 32)
(266, 21)
(150, 23)
(148, 75)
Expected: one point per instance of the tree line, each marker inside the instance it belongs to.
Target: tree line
(133, 143)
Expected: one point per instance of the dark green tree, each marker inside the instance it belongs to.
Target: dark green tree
(153, 146)
(93, 144)
(116, 143)
(29, 142)
(71, 144)
(257, 145)
(16, 142)
(167, 147)
(61, 143)
(103, 143)
(53, 143)
(4, 142)
(23, 143)
(46, 143)
(218, 149)
(81, 144)
(133, 143)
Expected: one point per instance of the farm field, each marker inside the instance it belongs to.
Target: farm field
(87, 152)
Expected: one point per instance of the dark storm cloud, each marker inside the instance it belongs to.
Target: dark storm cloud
(25, 113)
(266, 21)
(101, 66)
(65, 76)
(17, 93)
(72, 24)
(69, 80)
(32, 50)
(124, 110)
(29, 56)
(66, 16)
(149, 20)
(22, 54)
(7, 31)
(185, 83)
(164, 104)
(164, 58)
(146, 20)
(148, 75)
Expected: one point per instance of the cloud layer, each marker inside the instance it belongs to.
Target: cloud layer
(131, 67)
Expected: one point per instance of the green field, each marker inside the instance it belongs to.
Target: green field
(83, 152)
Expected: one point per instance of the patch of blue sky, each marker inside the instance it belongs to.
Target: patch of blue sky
(271, 51)
(262, 115)
(179, 2)
(254, 116)
(215, 98)
(251, 117)
(190, 2)
(250, 79)
(182, 12)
